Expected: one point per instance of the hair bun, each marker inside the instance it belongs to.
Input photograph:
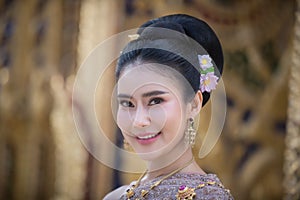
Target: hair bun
(158, 31)
(193, 28)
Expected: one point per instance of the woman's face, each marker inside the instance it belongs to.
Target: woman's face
(151, 114)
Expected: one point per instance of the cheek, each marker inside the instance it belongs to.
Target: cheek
(158, 116)
(124, 120)
(174, 116)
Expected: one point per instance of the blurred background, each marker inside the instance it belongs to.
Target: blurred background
(43, 43)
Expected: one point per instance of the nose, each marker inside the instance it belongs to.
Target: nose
(142, 117)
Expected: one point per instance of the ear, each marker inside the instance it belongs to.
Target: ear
(196, 104)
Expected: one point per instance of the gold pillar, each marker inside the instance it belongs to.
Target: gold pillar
(292, 152)
(99, 19)
(32, 162)
(70, 155)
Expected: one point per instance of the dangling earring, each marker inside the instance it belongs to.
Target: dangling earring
(127, 146)
(190, 133)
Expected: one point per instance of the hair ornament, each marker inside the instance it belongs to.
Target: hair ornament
(208, 79)
(133, 36)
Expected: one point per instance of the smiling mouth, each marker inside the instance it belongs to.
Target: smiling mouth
(147, 137)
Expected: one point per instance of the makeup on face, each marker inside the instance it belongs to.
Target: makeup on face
(151, 111)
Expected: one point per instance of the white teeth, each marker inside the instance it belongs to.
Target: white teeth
(147, 136)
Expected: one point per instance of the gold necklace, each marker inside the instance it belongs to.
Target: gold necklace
(130, 192)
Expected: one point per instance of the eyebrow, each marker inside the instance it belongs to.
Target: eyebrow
(147, 94)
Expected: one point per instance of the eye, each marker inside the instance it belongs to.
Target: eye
(126, 103)
(156, 101)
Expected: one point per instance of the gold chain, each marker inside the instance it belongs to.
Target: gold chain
(130, 192)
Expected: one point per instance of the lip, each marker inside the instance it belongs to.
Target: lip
(148, 138)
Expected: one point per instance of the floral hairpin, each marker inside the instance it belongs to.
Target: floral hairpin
(208, 79)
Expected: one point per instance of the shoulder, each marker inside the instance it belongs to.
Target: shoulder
(116, 194)
(213, 191)
(211, 187)
(206, 186)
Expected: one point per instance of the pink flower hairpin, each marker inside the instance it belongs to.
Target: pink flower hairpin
(208, 79)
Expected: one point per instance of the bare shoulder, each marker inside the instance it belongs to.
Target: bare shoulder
(116, 194)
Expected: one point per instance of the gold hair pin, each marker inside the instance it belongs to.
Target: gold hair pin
(133, 36)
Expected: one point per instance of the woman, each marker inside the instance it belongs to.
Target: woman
(165, 76)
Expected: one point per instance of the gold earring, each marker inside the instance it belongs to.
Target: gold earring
(127, 146)
(190, 133)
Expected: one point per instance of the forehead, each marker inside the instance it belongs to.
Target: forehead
(147, 76)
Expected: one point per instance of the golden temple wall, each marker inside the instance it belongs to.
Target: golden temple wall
(44, 42)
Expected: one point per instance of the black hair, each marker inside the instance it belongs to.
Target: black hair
(175, 41)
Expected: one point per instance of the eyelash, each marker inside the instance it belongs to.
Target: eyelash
(157, 98)
(126, 103)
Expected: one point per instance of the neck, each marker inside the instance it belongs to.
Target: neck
(154, 169)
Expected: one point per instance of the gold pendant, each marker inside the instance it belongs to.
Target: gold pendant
(185, 193)
(144, 193)
(129, 193)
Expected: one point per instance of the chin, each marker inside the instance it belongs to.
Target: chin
(162, 155)
(150, 156)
